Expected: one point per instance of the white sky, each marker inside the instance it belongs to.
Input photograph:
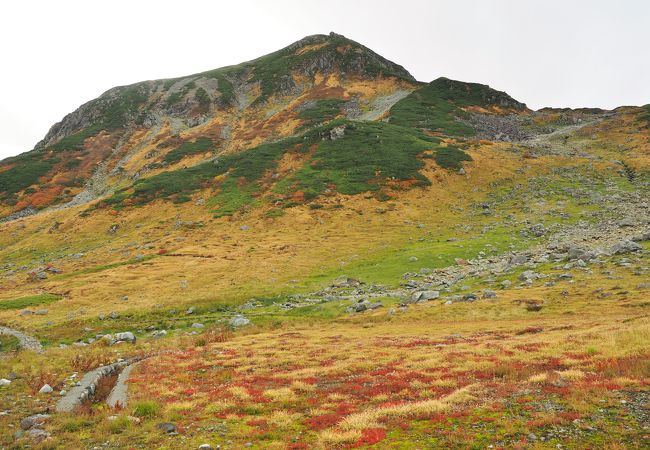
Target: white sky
(56, 55)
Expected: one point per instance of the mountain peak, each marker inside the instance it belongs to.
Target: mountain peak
(321, 53)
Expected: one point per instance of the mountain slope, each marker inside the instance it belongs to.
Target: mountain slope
(349, 260)
(230, 109)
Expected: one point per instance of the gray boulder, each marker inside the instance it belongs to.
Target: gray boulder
(489, 293)
(167, 427)
(625, 246)
(528, 275)
(420, 296)
(127, 336)
(239, 321)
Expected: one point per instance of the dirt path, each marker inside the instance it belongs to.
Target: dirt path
(26, 342)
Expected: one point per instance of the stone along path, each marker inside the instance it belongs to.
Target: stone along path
(26, 342)
(118, 396)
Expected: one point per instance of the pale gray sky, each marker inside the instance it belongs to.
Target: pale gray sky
(59, 54)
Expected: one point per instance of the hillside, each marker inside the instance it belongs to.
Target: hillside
(314, 250)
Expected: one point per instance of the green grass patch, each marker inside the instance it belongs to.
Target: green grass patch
(146, 409)
(103, 267)
(9, 343)
(232, 198)
(201, 145)
(119, 425)
(31, 300)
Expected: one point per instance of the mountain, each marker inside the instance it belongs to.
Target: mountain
(314, 250)
(134, 137)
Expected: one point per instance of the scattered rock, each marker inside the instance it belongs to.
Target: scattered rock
(127, 336)
(167, 427)
(538, 230)
(37, 435)
(470, 297)
(35, 421)
(46, 389)
(488, 293)
(533, 307)
(420, 296)
(239, 321)
(625, 246)
(337, 132)
(198, 325)
(5, 382)
(528, 275)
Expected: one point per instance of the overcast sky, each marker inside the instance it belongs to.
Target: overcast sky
(57, 55)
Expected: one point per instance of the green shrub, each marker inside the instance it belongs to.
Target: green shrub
(73, 425)
(437, 106)
(119, 425)
(119, 109)
(321, 111)
(360, 161)
(451, 157)
(71, 164)
(146, 409)
(75, 141)
(173, 99)
(201, 145)
(27, 170)
(203, 99)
